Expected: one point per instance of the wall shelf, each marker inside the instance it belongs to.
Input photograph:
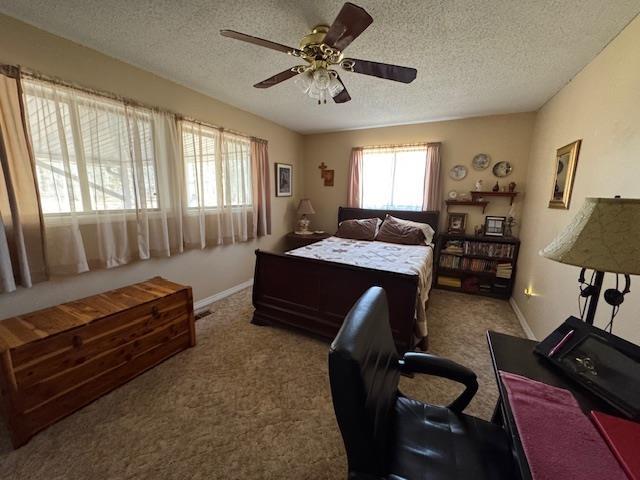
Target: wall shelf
(476, 196)
(472, 203)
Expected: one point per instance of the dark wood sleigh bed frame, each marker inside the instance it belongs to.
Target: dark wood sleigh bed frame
(314, 296)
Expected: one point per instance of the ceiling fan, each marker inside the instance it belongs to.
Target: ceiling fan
(322, 49)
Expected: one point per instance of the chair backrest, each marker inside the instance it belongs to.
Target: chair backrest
(364, 376)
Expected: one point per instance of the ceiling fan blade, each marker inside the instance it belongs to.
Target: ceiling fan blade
(260, 42)
(348, 25)
(381, 70)
(343, 96)
(276, 79)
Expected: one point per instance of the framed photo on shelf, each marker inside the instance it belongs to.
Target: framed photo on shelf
(284, 180)
(456, 223)
(494, 226)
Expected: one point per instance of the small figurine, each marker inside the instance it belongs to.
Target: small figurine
(512, 187)
(478, 185)
(496, 187)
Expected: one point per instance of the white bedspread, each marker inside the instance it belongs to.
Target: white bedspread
(411, 259)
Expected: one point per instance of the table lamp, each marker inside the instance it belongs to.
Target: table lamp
(304, 208)
(604, 236)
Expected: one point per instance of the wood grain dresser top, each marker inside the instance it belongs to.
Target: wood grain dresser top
(22, 329)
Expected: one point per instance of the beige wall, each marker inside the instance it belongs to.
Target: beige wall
(602, 107)
(209, 271)
(504, 137)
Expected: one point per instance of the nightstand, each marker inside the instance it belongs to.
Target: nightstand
(294, 240)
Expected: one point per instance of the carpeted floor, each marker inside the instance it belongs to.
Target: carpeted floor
(247, 402)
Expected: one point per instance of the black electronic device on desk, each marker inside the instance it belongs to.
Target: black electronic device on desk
(605, 364)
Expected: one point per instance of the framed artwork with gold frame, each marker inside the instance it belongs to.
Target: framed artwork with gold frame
(563, 175)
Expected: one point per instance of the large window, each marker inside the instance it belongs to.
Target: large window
(217, 167)
(393, 178)
(92, 154)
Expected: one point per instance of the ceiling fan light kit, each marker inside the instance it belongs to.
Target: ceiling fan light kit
(322, 49)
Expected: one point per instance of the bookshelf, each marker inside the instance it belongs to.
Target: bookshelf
(478, 265)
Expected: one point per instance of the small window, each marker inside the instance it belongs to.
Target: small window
(91, 154)
(217, 167)
(393, 178)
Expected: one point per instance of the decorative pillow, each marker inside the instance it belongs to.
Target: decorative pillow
(393, 230)
(364, 229)
(424, 227)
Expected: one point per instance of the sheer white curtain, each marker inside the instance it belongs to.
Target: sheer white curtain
(218, 179)
(106, 173)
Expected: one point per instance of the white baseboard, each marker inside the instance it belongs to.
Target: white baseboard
(523, 321)
(205, 302)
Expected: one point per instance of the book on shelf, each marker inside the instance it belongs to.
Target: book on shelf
(504, 270)
(449, 281)
(455, 262)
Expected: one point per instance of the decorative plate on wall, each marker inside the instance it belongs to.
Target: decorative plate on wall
(502, 169)
(458, 172)
(481, 161)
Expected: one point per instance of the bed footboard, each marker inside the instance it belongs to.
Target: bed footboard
(314, 296)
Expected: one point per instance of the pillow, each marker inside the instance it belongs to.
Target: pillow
(394, 230)
(364, 229)
(424, 227)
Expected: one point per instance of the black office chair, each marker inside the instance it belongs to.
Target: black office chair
(387, 435)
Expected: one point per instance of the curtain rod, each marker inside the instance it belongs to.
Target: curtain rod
(17, 71)
(396, 145)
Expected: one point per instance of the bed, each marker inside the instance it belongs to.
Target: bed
(312, 288)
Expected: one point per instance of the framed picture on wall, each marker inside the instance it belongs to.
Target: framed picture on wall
(564, 170)
(284, 180)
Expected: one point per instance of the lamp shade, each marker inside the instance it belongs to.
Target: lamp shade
(305, 207)
(603, 236)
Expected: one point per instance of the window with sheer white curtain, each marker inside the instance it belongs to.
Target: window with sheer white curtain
(83, 146)
(393, 178)
(217, 167)
(105, 172)
(218, 184)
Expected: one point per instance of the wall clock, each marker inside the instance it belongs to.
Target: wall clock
(481, 161)
(458, 172)
(502, 169)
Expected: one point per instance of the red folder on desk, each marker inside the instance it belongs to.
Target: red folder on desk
(623, 437)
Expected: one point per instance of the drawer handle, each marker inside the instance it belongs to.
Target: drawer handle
(155, 312)
(77, 341)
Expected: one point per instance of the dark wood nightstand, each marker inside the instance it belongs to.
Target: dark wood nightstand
(294, 240)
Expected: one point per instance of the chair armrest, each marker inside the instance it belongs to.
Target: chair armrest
(414, 362)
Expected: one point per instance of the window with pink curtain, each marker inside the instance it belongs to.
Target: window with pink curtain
(402, 177)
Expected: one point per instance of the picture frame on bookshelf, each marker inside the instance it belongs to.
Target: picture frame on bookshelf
(456, 223)
(494, 226)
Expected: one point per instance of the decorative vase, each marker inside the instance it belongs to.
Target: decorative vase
(496, 187)
(512, 187)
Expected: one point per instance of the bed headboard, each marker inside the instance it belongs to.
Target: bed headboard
(429, 217)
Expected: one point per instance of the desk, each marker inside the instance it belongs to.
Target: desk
(515, 355)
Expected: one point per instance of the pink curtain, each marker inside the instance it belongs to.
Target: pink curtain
(432, 195)
(261, 187)
(354, 193)
(22, 255)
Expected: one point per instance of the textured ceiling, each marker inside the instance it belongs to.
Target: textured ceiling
(473, 57)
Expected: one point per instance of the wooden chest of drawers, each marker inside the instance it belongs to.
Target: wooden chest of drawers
(56, 360)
